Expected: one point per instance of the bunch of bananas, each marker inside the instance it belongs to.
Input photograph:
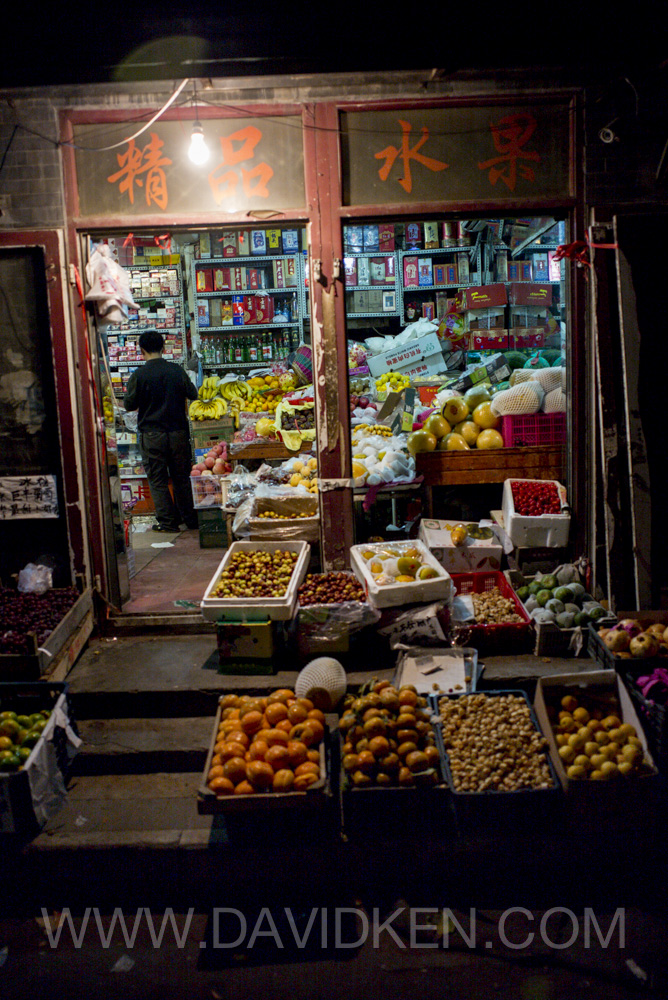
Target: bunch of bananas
(235, 390)
(207, 409)
(209, 387)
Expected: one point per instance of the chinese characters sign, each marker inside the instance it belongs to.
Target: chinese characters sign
(28, 496)
(254, 164)
(456, 154)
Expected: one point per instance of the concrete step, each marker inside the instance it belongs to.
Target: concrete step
(141, 746)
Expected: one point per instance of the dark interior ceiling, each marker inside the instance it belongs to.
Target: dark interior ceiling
(102, 43)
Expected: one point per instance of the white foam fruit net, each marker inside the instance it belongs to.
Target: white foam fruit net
(527, 397)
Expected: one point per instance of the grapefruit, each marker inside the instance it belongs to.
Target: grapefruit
(455, 409)
(477, 394)
(489, 439)
(453, 442)
(437, 425)
(469, 430)
(484, 417)
(421, 441)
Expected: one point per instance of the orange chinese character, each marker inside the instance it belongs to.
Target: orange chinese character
(510, 135)
(237, 148)
(391, 153)
(148, 161)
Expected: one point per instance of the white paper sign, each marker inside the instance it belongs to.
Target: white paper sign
(28, 496)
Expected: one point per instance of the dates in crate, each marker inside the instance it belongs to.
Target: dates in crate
(256, 574)
(330, 588)
(532, 498)
(22, 614)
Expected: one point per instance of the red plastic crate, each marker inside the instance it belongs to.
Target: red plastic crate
(506, 637)
(532, 429)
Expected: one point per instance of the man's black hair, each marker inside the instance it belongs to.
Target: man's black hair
(151, 341)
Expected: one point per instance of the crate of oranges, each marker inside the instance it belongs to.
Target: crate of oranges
(267, 751)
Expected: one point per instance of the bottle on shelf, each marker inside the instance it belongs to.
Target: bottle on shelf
(238, 351)
(252, 349)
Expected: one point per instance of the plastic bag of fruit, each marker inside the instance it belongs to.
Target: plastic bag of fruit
(332, 606)
(296, 504)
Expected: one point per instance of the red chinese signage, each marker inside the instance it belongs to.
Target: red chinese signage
(456, 154)
(253, 164)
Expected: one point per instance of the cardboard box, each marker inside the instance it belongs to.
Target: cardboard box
(370, 237)
(493, 369)
(482, 297)
(411, 272)
(489, 340)
(350, 271)
(627, 794)
(530, 294)
(417, 356)
(476, 554)
(526, 339)
(386, 236)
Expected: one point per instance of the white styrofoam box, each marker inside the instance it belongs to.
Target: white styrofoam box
(543, 531)
(390, 595)
(257, 608)
(420, 356)
(474, 554)
(606, 679)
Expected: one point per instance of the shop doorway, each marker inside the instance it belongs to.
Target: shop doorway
(436, 304)
(232, 306)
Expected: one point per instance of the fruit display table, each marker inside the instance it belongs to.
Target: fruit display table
(459, 468)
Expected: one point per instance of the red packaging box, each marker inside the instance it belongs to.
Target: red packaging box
(526, 270)
(530, 295)
(489, 340)
(249, 310)
(411, 272)
(228, 241)
(527, 337)
(204, 279)
(439, 274)
(350, 271)
(264, 309)
(482, 297)
(253, 278)
(386, 236)
(221, 279)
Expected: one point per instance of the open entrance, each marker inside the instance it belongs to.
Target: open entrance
(233, 310)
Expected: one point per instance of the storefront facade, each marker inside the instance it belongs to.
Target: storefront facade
(326, 159)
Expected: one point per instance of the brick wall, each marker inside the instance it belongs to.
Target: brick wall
(31, 182)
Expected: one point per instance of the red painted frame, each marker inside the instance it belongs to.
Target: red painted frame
(50, 242)
(324, 215)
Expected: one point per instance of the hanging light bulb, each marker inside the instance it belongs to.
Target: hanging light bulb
(198, 151)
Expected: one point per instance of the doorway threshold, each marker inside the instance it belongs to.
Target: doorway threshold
(174, 623)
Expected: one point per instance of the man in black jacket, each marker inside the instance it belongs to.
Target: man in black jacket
(159, 391)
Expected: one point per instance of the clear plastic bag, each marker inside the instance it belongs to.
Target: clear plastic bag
(35, 579)
(287, 500)
(241, 484)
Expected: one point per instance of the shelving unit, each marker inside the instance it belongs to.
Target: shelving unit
(251, 310)
(161, 308)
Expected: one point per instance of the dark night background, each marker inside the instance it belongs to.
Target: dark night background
(98, 43)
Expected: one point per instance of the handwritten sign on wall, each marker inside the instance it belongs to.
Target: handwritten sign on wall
(28, 496)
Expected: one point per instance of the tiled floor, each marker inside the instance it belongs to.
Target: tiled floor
(165, 576)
